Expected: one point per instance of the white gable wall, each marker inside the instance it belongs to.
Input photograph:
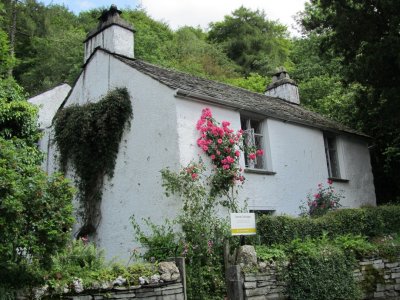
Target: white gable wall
(355, 163)
(48, 103)
(149, 146)
(297, 155)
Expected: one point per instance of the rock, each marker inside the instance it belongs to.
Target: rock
(120, 281)
(143, 280)
(169, 271)
(247, 256)
(262, 266)
(106, 285)
(65, 289)
(78, 285)
(155, 279)
(40, 292)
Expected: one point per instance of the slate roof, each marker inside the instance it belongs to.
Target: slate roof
(234, 97)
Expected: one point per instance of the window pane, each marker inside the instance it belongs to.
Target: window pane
(332, 157)
(259, 162)
(243, 122)
(255, 124)
(334, 163)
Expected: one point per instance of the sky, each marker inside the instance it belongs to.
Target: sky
(178, 13)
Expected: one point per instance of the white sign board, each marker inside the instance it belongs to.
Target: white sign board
(243, 224)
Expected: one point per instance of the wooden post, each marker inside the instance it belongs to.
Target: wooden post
(234, 283)
(233, 275)
(180, 263)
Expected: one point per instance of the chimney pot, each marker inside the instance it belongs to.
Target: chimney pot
(112, 33)
(283, 87)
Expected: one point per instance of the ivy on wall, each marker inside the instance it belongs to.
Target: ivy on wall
(88, 139)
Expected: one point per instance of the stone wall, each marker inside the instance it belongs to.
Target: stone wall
(265, 285)
(378, 278)
(173, 291)
(168, 284)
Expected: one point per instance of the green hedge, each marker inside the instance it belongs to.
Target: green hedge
(369, 221)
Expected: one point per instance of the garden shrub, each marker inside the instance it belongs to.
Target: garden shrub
(358, 246)
(161, 243)
(82, 260)
(369, 221)
(324, 200)
(391, 216)
(35, 214)
(320, 270)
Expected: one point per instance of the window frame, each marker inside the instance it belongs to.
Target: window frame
(259, 135)
(334, 157)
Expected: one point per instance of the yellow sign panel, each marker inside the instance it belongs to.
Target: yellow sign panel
(243, 231)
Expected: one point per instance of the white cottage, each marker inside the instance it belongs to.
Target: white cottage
(301, 148)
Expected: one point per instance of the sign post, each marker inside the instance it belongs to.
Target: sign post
(243, 224)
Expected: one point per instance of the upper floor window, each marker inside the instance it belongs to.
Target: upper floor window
(331, 151)
(253, 137)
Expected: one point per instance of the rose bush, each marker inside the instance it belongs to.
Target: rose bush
(224, 147)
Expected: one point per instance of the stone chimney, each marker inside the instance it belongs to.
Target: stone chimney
(283, 87)
(112, 33)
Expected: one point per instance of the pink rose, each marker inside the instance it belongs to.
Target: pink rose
(206, 113)
(230, 159)
(212, 156)
(252, 156)
(219, 141)
(237, 153)
(329, 181)
(194, 176)
(225, 167)
(260, 152)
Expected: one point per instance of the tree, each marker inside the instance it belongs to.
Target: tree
(320, 79)
(35, 209)
(365, 35)
(189, 51)
(253, 42)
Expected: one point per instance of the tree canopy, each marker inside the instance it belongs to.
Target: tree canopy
(35, 209)
(365, 34)
(255, 43)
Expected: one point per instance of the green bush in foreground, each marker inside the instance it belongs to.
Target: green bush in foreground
(83, 261)
(35, 214)
(320, 270)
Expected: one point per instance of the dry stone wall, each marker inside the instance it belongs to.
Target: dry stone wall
(158, 292)
(379, 279)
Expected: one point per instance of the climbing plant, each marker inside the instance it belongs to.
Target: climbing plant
(88, 139)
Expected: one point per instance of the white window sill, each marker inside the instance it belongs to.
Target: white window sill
(259, 171)
(335, 179)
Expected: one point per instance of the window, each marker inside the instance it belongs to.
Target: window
(332, 156)
(253, 137)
